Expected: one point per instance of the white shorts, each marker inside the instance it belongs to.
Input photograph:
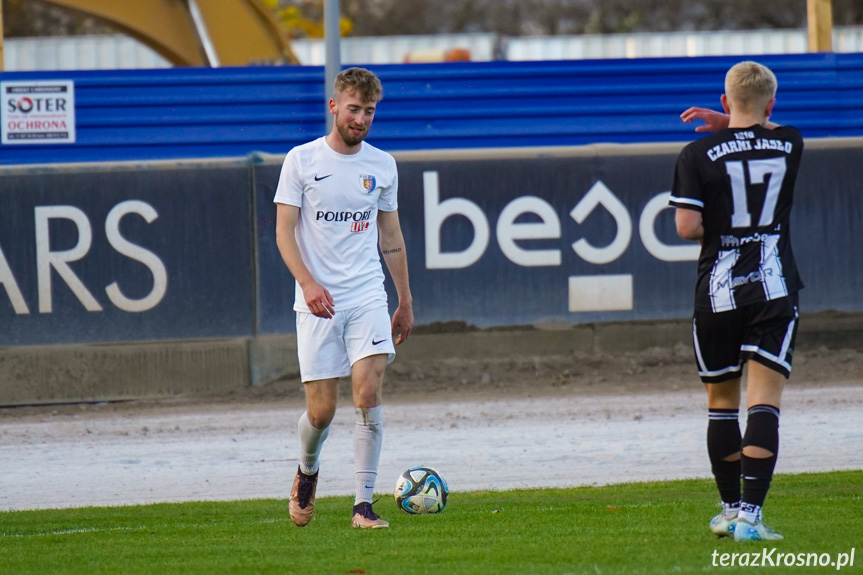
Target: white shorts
(327, 348)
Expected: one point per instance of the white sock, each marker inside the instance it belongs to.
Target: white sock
(750, 513)
(730, 510)
(368, 438)
(311, 441)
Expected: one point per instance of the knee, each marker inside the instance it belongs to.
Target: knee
(761, 440)
(367, 396)
(322, 417)
(368, 381)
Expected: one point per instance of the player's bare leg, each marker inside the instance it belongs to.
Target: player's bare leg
(763, 385)
(725, 395)
(723, 446)
(367, 376)
(760, 447)
(313, 427)
(321, 399)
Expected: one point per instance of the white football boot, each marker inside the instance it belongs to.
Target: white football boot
(723, 524)
(758, 531)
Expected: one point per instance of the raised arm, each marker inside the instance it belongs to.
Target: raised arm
(392, 245)
(316, 296)
(713, 121)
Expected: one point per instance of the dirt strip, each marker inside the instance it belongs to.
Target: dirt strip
(524, 422)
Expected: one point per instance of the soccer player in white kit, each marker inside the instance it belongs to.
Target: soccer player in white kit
(336, 203)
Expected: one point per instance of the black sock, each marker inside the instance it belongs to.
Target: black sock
(723, 439)
(762, 430)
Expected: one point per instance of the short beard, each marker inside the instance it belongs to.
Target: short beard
(349, 139)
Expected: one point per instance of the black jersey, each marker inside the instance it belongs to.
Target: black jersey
(742, 182)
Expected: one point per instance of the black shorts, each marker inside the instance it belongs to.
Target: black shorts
(763, 332)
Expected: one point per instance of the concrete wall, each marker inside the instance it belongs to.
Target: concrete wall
(86, 373)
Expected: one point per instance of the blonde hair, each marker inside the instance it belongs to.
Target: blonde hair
(364, 82)
(750, 86)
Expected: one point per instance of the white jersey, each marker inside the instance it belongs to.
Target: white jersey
(339, 197)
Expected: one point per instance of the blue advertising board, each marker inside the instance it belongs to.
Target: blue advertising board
(574, 236)
(545, 239)
(275, 284)
(125, 252)
(519, 240)
(162, 251)
(826, 221)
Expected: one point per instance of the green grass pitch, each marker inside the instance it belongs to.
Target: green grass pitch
(632, 528)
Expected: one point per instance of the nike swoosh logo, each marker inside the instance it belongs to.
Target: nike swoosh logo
(317, 179)
(377, 342)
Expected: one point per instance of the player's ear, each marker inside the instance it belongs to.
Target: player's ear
(769, 110)
(724, 99)
(333, 106)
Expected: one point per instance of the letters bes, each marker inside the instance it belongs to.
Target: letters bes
(47, 260)
(508, 231)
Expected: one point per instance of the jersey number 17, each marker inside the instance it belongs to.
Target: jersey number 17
(758, 170)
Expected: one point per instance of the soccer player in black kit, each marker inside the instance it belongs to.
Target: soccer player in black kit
(733, 192)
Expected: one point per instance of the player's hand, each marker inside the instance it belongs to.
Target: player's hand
(319, 300)
(403, 323)
(713, 121)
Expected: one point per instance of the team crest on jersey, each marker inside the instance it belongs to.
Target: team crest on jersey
(369, 183)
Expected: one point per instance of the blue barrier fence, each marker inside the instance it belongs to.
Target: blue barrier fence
(197, 113)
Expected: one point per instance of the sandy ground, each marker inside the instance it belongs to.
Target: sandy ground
(525, 422)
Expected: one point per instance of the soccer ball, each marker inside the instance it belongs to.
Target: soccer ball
(421, 490)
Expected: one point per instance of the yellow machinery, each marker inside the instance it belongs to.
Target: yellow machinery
(196, 32)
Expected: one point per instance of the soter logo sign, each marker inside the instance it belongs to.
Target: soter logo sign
(587, 293)
(38, 112)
